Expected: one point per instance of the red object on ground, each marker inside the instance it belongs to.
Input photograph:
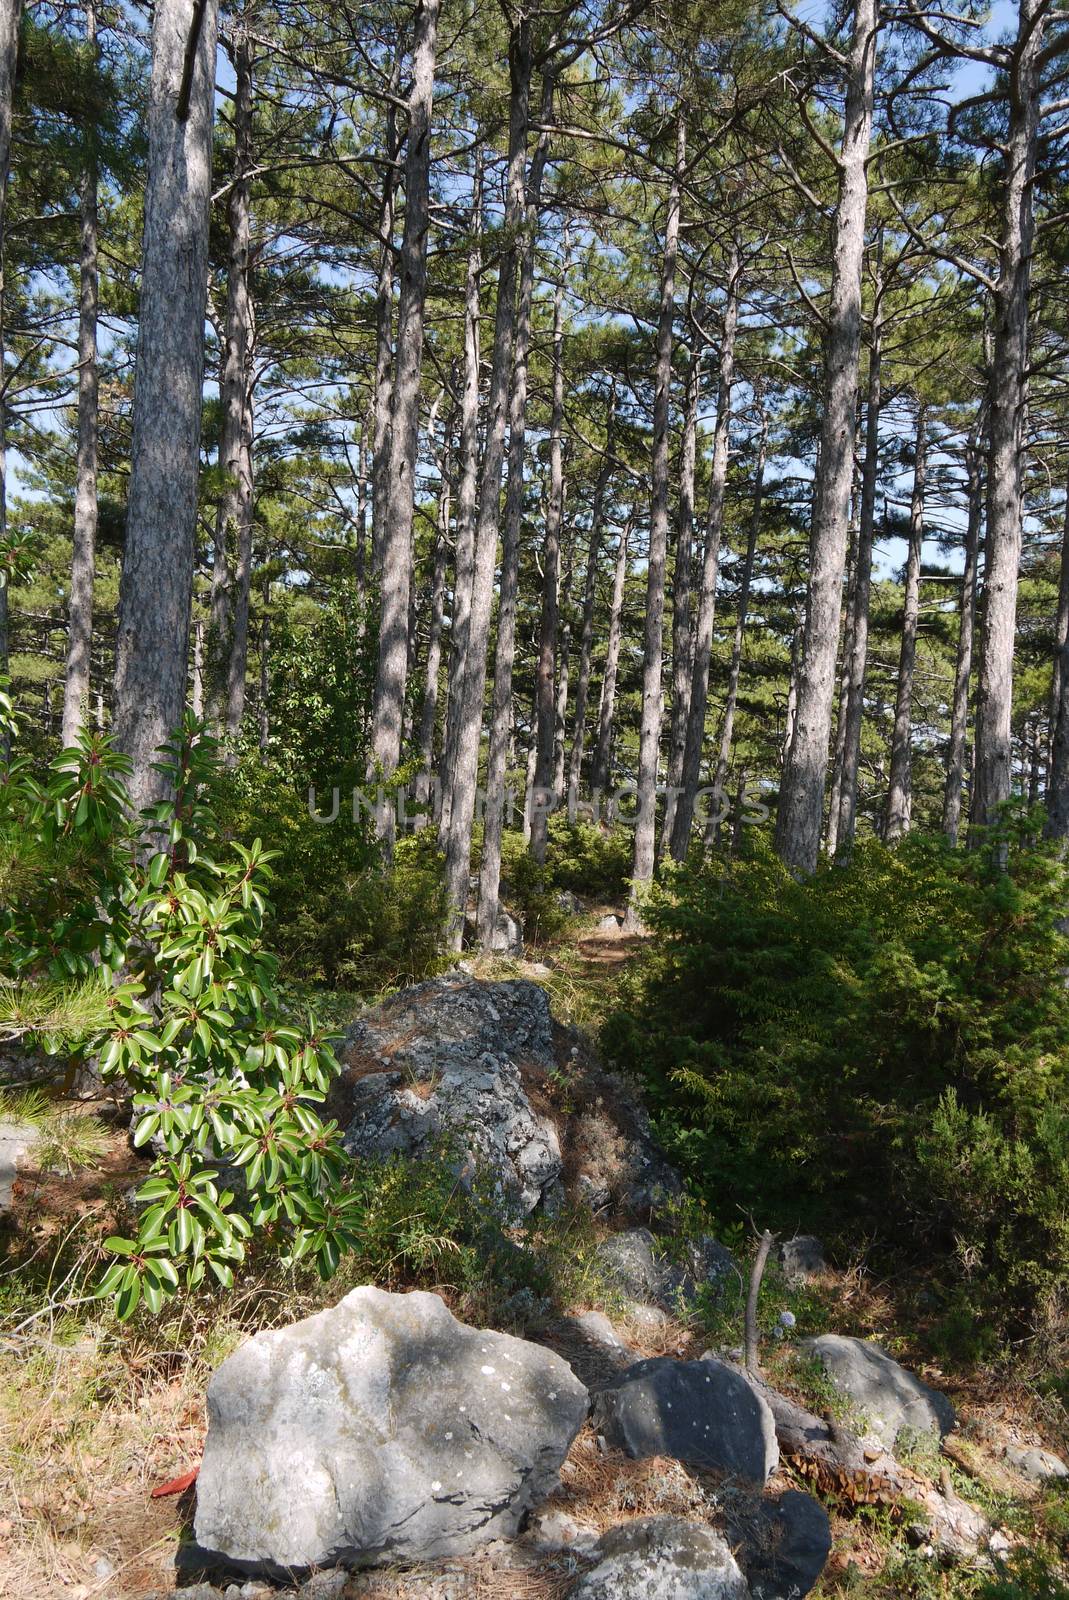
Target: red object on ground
(176, 1485)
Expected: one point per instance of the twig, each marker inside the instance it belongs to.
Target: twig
(752, 1364)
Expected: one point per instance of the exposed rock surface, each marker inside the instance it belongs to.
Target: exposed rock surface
(15, 1141)
(785, 1543)
(802, 1258)
(1038, 1466)
(663, 1558)
(701, 1412)
(507, 939)
(888, 1396)
(636, 1264)
(479, 1067)
(380, 1430)
(441, 1061)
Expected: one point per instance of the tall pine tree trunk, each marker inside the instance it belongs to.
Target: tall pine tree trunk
(508, 589)
(155, 593)
(228, 634)
(859, 630)
(801, 805)
(601, 770)
(383, 387)
(473, 682)
(959, 711)
(396, 580)
(1058, 766)
(10, 15)
(83, 561)
(586, 638)
(1007, 401)
(429, 711)
(899, 792)
(546, 671)
(653, 641)
(467, 485)
(727, 727)
(682, 635)
(690, 779)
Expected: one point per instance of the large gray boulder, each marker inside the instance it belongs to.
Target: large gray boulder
(1038, 1466)
(636, 1264)
(381, 1430)
(16, 1139)
(441, 1063)
(887, 1396)
(784, 1544)
(703, 1412)
(663, 1558)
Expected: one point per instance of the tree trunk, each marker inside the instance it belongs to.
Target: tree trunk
(10, 15)
(859, 629)
(383, 392)
(473, 680)
(586, 639)
(396, 580)
(899, 792)
(228, 633)
(727, 728)
(959, 714)
(429, 713)
(801, 806)
(155, 593)
(703, 622)
(504, 655)
(198, 669)
(563, 673)
(467, 484)
(1058, 767)
(264, 708)
(792, 689)
(842, 717)
(546, 673)
(83, 561)
(652, 698)
(1007, 399)
(682, 636)
(601, 770)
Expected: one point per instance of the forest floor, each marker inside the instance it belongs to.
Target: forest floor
(95, 1416)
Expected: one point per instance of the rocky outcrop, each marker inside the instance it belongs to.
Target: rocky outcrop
(784, 1544)
(703, 1413)
(886, 1395)
(801, 1258)
(663, 1558)
(637, 1265)
(441, 1064)
(1038, 1466)
(480, 1069)
(380, 1430)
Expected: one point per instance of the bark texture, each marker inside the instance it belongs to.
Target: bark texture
(83, 561)
(801, 805)
(959, 711)
(899, 790)
(152, 643)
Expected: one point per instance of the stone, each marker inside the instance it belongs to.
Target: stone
(15, 1141)
(802, 1258)
(1038, 1466)
(786, 1542)
(609, 924)
(381, 1430)
(633, 1262)
(556, 1529)
(887, 1396)
(440, 1064)
(507, 937)
(569, 903)
(663, 1558)
(703, 1413)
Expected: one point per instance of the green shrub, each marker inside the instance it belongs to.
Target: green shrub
(879, 1052)
(339, 915)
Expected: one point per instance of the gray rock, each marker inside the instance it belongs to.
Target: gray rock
(609, 924)
(786, 1543)
(633, 1262)
(569, 903)
(381, 1430)
(802, 1258)
(558, 1530)
(15, 1141)
(1038, 1466)
(663, 1558)
(886, 1395)
(700, 1412)
(595, 1328)
(440, 1062)
(507, 939)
